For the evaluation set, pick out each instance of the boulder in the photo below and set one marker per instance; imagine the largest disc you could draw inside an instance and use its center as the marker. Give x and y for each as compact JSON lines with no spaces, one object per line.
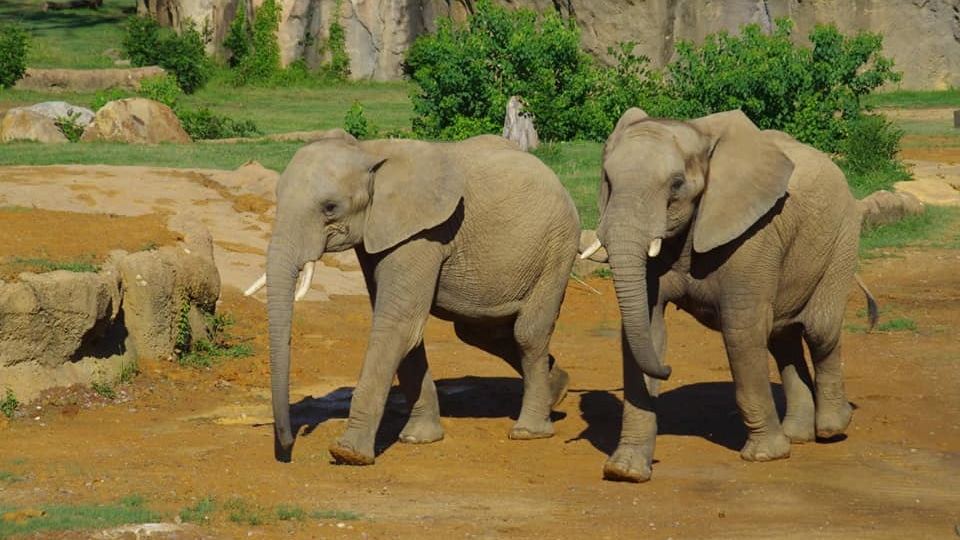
{"x":135,"y":120}
{"x":884,"y":207}
{"x":932,"y":191}
{"x":24,"y":124}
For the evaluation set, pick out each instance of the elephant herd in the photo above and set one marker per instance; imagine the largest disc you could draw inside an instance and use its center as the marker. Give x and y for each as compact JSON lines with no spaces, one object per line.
{"x":752,"y":232}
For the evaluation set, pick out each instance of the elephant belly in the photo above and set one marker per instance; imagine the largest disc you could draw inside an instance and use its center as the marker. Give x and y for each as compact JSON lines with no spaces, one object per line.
{"x":463,"y":310}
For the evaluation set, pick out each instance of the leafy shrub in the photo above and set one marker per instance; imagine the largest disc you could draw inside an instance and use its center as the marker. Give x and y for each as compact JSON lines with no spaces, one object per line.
{"x":356,"y":123}
{"x":203,"y":123}
{"x":71,"y":129}
{"x":238,"y":39}
{"x":465,"y":75}
{"x":162,"y":88}
{"x":811,"y":93}
{"x":870,"y":143}
{"x":9,"y":404}
{"x":261,"y":62}
{"x":337,"y":68}
{"x":13,"y":54}
{"x":145,"y":43}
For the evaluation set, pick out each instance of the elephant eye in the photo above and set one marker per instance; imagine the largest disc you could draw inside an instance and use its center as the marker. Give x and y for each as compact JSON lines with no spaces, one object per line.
{"x":676,"y":184}
{"x":329,"y":208}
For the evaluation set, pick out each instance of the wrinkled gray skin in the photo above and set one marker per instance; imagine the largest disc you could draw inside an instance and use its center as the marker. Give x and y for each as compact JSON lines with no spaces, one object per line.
{"x":475,"y":232}
{"x":759,"y":241}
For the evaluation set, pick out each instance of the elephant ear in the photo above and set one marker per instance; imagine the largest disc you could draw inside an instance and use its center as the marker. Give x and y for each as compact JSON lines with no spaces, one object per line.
{"x":415,"y":187}
{"x":748,"y":174}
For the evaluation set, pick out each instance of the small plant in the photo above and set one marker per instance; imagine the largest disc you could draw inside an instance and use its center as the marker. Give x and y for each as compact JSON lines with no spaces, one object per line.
{"x":205,"y":352}
{"x":240,"y":511}
{"x":105,"y":389}
{"x":290,"y":513}
{"x":9,"y":404}
{"x":356,"y":124}
{"x":71,"y":129}
{"x":603,"y":272}
{"x":199,"y":512}
{"x":14,"y":45}
{"x":335,"y":514}
{"x":899,"y":324}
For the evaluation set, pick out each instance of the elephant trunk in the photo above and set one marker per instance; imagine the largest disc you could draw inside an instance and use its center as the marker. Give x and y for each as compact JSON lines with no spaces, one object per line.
{"x":628,"y":254}
{"x":283,"y":268}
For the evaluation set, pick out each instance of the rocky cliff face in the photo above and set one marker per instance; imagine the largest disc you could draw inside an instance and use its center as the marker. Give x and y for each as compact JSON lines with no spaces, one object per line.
{"x":922,"y":36}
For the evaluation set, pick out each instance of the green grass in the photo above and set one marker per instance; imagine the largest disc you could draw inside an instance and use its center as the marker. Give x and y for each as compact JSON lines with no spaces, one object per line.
{"x":199,"y":512}
{"x":914,"y":99}
{"x":899,"y":324}
{"x":937,"y":226}
{"x":45,"y":265}
{"x":578,"y":166}
{"x":71,"y":38}
{"x":48,"y":518}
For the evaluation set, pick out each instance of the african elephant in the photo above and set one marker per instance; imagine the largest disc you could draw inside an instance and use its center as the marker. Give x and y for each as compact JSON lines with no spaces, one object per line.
{"x":755,"y":235}
{"x":475,"y":232}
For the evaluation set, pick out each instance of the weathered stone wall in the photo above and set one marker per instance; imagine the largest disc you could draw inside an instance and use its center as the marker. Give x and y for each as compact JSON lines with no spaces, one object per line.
{"x":922,"y":36}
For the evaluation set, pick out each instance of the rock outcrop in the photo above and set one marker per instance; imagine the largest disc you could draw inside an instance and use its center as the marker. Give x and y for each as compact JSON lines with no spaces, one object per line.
{"x":61,"y":328}
{"x":923,"y":38}
{"x":86,"y":80}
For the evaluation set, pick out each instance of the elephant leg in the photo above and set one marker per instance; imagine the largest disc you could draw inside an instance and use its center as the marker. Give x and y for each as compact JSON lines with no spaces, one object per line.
{"x":423,"y":426}
{"x":833,"y":410}
{"x":632,"y":461}
{"x":822,"y":327}
{"x":745,"y":335}
{"x":405,"y":280}
{"x":787,"y":349}
{"x":499,"y":340}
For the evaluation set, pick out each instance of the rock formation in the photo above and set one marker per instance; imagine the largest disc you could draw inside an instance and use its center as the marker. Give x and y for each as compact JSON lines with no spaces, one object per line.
{"x":923,"y":37}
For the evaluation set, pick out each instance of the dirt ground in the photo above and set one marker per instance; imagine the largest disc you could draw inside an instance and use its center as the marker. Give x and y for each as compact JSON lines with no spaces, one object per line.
{"x":177,"y":436}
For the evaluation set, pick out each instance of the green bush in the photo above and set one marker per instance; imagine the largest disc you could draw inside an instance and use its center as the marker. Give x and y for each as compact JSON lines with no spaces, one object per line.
{"x":261,"y":63}
{"x":337,"y":68}
{"x":162,"y":88}
{"x":204,"y":124}
{"x":465,"y":75}
{"x":238,"y":39}
{"x":14,"y":45}
{"x":145,"y":43}
{"x":812,"y":93}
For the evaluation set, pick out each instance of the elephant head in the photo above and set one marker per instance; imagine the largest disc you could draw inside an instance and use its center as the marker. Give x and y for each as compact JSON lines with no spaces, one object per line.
{"x":335,"y":194}
{"x":710,"y":179}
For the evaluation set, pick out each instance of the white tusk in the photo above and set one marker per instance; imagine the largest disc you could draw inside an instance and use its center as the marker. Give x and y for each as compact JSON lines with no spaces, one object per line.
{"x":257,"y":285}
{"x":654,"y":248}
{"x":593,"y":248}
{"x":303,"y":282}
{"x":306,"y":276}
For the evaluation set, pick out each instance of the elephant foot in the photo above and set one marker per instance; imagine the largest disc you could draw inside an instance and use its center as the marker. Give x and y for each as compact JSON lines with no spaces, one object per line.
{"x":833,"y":421}
{"x":628,"y":464}
{"x":421,"y":431}
{"x":344,"y":454}
{"x":799,"y":430}
{"x":766,"y":448}
{"x":559,"y":382}
{"x":526,"y":433}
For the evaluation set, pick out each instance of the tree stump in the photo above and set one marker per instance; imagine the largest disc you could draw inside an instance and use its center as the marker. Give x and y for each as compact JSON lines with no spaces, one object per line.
{"x":518,"y":125}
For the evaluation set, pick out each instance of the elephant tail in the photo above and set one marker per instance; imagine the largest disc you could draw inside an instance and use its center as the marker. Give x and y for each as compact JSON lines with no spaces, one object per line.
{"x":873,"y":312}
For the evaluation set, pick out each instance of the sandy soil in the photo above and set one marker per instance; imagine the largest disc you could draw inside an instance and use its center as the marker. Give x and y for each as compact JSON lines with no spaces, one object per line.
{"x":177,"y":436}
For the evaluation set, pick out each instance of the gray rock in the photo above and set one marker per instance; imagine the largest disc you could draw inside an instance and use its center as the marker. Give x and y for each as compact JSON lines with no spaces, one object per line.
{"x":61,"y":109}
